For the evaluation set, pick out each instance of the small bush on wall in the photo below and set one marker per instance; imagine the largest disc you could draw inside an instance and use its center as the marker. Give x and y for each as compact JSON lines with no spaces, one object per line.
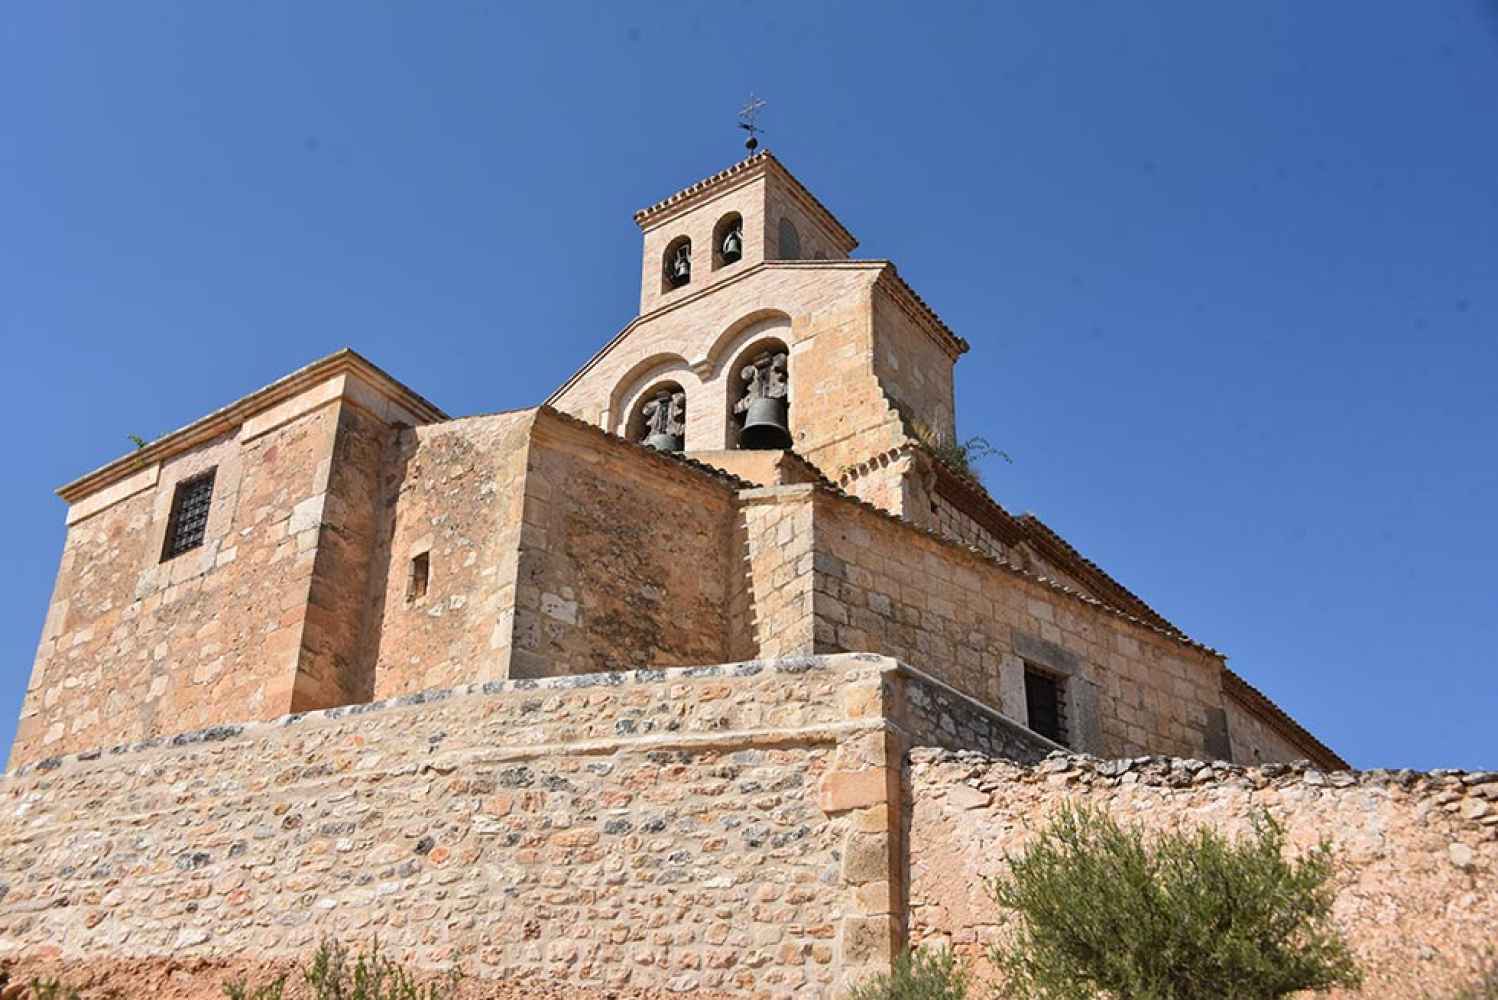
{"x":917,"y":975}
{"x":1099,"y":910}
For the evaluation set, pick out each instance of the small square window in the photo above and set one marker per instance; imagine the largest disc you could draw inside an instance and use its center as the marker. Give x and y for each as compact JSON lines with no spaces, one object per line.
{"x":421,"y":569}
{"x":189,"y":520}
{"x":1045,"y":701}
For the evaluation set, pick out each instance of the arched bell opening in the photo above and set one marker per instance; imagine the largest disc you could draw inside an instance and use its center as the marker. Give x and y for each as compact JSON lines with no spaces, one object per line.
{"x":676,"y":265}
{"x":659,"y":418}
{"x":728,"y":240}
{"x":759,"y":391}
{"x":789,"y":240}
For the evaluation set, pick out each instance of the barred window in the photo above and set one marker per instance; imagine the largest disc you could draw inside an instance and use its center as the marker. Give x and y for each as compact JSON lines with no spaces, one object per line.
{"x":1045,"y":702}
{"x":189,"y":520}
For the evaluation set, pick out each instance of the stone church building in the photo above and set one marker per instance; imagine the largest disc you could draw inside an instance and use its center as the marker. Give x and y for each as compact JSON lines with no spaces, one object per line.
{"x":749,"y":470}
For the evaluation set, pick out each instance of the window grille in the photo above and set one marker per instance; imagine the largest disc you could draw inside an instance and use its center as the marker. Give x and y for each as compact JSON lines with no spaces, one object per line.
{"x":1046,"y":704}
{"x":189,"y":520}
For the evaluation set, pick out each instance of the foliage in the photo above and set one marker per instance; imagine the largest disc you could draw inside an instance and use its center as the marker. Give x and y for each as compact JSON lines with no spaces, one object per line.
{"x":1101,"y":911}
{"x":137,"y":440}
{"x":961,"y":457}
{"x":273,"y":990}
{"x":336,"y":974}
{"x":917,"y":975}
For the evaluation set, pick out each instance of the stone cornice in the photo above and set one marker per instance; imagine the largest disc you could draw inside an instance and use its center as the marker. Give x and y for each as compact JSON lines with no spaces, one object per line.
{"x":222,"y":421}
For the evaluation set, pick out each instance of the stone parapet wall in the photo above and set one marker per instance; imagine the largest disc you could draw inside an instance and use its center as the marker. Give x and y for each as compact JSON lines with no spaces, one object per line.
{"x":1417,"y":853}
{"x":715,"y":827}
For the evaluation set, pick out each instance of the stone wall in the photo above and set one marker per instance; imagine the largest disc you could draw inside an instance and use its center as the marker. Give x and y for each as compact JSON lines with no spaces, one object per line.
{"x":1253,"y":739}
{"x":914,"y":370}
{"x":821,"y":310}
{"x":888,"y":588}
{"x":704,"y":828}
{"x":624,"y":557}
{"x":135,"y":645}
{"x":457,"y":498}
{"x":1417,"y":853}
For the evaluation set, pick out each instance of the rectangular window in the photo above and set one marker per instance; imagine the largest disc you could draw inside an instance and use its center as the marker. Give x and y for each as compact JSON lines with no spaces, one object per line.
{"x":1045,"y":700}
{"x":421,"y":567}
{"x":189,"y":520}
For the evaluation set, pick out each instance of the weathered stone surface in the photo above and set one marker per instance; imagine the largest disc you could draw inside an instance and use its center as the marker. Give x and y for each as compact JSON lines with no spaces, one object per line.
{"x":693,"y":845}
{"x":1418,"y":883}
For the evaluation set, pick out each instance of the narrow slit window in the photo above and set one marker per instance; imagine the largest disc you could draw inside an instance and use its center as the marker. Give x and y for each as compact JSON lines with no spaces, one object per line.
{"x":421,"y":567}
{"x":1045,"y":702}
{"x":189,"y":520}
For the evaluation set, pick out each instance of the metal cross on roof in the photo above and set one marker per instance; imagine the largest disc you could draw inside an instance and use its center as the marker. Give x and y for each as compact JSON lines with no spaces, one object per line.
{"x":749,"y":120}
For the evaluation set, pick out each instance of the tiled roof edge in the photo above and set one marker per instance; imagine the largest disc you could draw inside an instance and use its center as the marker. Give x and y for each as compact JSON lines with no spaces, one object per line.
{"x":1180,"y":637}
{"x":1264,"y":707}
{"x":747,"y":167}
{"x":226,"y":418}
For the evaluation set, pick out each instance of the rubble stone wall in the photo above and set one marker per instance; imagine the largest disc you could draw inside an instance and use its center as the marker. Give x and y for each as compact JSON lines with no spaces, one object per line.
{"x":663,"y":828}
{"x":1417,"y":853}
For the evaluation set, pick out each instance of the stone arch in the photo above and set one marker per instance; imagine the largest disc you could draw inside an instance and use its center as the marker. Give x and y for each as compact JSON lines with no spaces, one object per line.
{"x":759,"y":346}
{"x":759,"y":323}
{"x":671,"y":279}
{"x":730,"y":223}
{"x":641,"y":376}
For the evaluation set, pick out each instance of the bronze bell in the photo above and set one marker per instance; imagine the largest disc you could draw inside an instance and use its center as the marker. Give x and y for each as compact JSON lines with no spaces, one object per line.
{"x":765,"y":427}
{"x":681,"y":268}
{"x":733,"y":246}
{"x":662,"y":441}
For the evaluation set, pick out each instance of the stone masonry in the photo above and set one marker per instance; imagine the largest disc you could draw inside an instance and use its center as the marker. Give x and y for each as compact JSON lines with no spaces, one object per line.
{"x":1417,"y":853}
{"x":521,"y":692}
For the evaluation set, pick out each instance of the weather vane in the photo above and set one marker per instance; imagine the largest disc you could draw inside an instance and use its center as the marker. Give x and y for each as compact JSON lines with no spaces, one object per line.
{"x":749,"y":120}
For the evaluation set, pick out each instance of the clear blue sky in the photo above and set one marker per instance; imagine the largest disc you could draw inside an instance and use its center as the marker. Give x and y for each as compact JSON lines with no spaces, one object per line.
{"x":1229,"y":270}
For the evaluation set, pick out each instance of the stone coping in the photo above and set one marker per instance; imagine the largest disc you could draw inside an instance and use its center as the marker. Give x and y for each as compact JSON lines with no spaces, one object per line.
{"x":1182,"y":772}
{"x":570,"y":682}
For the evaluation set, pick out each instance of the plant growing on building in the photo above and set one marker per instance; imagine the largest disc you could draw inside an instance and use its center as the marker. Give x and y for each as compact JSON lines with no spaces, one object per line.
{"x":961,"y":456}
{"x":917,"y":975}
{"x":1101,"y":910}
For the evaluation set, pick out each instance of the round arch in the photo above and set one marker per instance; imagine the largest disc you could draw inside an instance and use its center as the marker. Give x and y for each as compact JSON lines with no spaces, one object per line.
{"x":633,"y":384}
{"x":760,"y":323}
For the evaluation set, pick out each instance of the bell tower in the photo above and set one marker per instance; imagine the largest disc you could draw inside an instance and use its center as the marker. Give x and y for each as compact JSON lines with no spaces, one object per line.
{"x":722,"y":226}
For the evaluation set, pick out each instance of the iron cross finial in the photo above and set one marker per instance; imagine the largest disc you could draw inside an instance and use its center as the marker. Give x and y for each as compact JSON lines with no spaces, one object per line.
{"x":749,"y":120}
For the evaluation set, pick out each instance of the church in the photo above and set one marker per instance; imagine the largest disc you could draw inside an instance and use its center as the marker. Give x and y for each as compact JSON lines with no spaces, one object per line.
{"x":759,"y":466}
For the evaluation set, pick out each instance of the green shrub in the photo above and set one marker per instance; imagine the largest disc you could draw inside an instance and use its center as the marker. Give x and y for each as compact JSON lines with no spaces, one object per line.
{"x":335,"y":974}
{"x":1101,"y":911}
{"x":917,"y":975}
{"x":273,"y":990}
{"x":51,"y":989}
